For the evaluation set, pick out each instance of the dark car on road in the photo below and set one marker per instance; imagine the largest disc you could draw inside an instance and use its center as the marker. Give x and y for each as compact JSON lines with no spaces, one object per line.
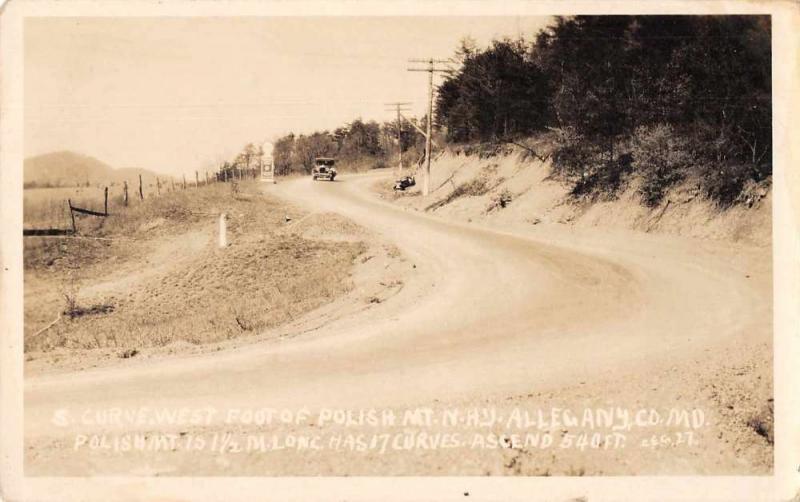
{"x":323,"y":169}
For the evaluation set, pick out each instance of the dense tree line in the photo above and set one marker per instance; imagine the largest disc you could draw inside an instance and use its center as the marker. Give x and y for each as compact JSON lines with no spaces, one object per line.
{"x":666,"y":97}
{"x":357,"y":145}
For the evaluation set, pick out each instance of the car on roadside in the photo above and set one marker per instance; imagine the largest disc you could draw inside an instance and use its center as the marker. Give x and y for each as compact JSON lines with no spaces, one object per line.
{"x":323,"y":169}
{"x":405,"y":182}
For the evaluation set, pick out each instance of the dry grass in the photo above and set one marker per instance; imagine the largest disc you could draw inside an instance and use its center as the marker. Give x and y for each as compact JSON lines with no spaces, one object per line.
{"x":473,"y":188}
{"x":141,"y":219}
{"x":47,"y":207}
{"x":266,"y":276}
{"x":221,"y":295}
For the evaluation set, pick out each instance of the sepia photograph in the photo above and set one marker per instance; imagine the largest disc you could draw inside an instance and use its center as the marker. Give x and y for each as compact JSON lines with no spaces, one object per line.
{"x":396,"y":246}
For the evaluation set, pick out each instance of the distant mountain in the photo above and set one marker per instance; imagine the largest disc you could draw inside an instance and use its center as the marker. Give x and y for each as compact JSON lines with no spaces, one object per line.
{"x":67,"y":168}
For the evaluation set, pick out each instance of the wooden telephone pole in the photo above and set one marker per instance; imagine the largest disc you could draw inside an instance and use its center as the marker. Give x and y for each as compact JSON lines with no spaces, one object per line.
{"x":399,"y":107}
{"x":431,"y":69}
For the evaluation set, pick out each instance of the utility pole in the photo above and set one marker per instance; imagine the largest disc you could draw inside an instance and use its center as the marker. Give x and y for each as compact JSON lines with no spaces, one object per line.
{"x":400,"y":107}
{"x":431,"y":69}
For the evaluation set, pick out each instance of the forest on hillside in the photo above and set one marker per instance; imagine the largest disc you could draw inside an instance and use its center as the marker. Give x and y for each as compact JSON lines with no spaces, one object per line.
{"x":667,"y":97}
{"x":658,"y":98}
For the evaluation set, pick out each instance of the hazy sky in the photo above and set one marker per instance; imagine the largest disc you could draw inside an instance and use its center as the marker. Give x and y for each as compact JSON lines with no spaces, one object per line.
{"x":178,"y":94}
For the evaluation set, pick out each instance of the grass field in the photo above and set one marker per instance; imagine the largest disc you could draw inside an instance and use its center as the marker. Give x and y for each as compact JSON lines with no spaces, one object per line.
{"x":160,"y":278}
{"x":47,"y":207}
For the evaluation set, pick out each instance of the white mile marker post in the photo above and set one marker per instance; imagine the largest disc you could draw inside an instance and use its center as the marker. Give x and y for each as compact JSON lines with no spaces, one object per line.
{"x":223,"y":238}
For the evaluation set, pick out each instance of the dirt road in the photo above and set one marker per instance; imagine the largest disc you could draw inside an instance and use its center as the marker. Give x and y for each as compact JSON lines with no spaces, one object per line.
{"x":482,"y":316}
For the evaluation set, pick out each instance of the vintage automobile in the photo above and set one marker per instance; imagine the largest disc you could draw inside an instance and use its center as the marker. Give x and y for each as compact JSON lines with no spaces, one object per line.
{"x":323,"y":169}
{"x":405,"y":182}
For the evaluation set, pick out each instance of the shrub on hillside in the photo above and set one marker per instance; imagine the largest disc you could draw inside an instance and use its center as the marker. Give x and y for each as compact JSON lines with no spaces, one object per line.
{"x":724,"y":183}
{"x":603,"y":178}
{"x":500,"y":200}
{"x":475,"y":187}
{"x":588,"y":166}
{"x":572,"y":154}
{"x":472,"y":188}
{"x":660,"y":157}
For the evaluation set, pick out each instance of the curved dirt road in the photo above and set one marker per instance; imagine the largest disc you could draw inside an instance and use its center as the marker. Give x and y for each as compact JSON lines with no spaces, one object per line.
{"x":482,"y":316}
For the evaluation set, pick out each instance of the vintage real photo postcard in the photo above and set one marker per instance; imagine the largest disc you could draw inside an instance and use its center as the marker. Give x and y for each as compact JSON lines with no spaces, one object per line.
{"x":377,"y":251}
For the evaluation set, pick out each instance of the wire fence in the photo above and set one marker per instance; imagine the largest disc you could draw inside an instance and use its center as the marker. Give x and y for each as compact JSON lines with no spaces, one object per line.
{"x":57,"y":217}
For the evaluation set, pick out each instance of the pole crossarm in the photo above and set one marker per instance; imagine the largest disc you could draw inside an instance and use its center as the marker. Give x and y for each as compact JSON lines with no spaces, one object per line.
{"x":430,"y":60}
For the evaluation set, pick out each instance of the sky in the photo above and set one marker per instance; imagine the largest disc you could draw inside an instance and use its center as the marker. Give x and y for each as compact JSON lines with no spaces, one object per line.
{"x":179,"y":94}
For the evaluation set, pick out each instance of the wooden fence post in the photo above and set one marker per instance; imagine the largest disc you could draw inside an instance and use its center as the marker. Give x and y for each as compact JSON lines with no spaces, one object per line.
{"x":125,"y":193}
{"x":196,"y":180}
{"x":173,"y":184}
{"x":206,"y":177}
{"x":105,"y":201}
{"x":72,"y":215}
{"x":184,"y":182}
{"x":158,"y":186}
{"x":141,"y":194}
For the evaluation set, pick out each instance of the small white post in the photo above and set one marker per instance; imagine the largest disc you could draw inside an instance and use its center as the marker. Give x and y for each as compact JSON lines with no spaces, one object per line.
{"x":223,"y":238}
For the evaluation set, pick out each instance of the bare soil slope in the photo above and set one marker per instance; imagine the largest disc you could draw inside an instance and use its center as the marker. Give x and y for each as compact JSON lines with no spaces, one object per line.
{"x":468,"y":188}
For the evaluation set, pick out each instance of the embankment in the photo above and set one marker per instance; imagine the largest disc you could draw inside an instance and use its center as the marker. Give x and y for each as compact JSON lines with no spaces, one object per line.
{"x":511,"y":189}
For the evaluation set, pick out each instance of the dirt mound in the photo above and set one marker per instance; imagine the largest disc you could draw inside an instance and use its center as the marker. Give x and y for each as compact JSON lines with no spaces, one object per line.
{"x":326,"y":226}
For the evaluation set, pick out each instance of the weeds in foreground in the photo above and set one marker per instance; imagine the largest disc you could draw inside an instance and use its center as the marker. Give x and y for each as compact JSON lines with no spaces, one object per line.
{"x":762,"y":422}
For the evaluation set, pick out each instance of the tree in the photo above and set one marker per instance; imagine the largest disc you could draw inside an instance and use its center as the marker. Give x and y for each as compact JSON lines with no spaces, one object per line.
{"x":307,"y":148}
{"x":497,"y":93}
{"x":706,"y":77}
{"x":282,"y":152}
{"x":361,"y":139}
